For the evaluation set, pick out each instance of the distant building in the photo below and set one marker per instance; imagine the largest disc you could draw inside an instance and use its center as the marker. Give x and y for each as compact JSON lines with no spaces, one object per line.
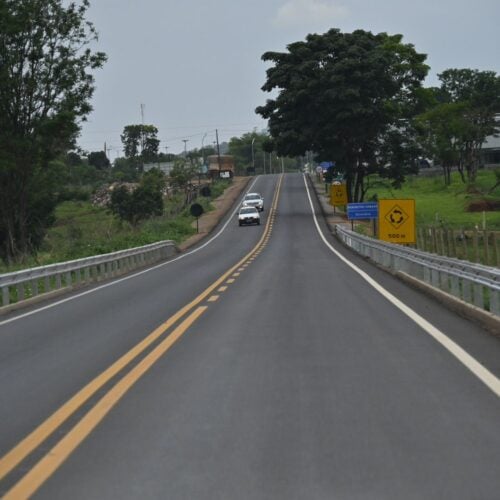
{"x":491,"y":148}
{"x":165,"y":166}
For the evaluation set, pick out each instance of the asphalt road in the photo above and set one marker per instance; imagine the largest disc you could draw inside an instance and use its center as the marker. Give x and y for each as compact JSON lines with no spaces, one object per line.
{"x":257,"y":366}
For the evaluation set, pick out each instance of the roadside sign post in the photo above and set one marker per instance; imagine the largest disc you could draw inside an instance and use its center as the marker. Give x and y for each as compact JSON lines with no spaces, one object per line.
{"x":338,"y":194}
{"x":362,"y":211}
{"x":196,"y":210}
{"x":396,"y":221}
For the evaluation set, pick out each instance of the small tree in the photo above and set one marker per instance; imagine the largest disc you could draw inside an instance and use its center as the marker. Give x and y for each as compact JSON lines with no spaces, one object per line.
{"x":99,"y":160}
{"x":144,"y":202}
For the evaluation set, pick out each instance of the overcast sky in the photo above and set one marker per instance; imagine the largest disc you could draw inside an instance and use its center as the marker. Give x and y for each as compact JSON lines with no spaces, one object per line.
{"x":196,"y":65}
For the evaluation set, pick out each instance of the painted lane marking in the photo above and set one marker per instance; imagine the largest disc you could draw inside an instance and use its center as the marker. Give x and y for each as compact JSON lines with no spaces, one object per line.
{"x":10,"y":460}
{"x":481,"y":372}
{"x":222,"y":289}
{"x":231,"y":280}
{"x":213,"y":298}
{"x":130,"y":276}
{"x":60,"y":452}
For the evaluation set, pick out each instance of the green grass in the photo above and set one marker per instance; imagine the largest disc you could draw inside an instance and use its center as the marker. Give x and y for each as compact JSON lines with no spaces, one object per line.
{"x":82,"y":230}
{"x":437,"y":204}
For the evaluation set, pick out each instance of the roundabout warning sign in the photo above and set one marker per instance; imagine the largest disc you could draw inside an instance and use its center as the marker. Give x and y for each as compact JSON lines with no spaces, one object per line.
{"x":396,"y":217}
{"x":397,"y":221}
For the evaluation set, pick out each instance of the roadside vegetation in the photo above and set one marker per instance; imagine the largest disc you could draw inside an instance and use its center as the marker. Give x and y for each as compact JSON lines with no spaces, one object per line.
{"x":355,"y":100}
{"x":446,"y":205}
{"x":82,"y":229}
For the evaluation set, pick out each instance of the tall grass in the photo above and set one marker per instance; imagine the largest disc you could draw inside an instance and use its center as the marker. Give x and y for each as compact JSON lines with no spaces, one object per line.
{"x":82,"y":230}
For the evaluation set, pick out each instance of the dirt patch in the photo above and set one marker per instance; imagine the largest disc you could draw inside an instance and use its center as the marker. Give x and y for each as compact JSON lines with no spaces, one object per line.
{"x":483,"y":206}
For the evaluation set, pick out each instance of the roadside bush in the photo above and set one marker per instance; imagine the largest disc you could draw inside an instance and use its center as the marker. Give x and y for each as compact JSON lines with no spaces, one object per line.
{"x":141,"y":204}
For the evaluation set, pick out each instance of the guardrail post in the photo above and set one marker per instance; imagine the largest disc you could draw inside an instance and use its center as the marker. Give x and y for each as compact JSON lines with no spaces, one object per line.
{"x":34,"y":288}
{"x":495,"y":302}
{"x":444,"y":285}
{"x":455,"y":286}
{"x":5,"y":296}
{"x":478,"y":296}
{"x":58,"y":281}
{"x":435,"y":278}
{"x":466,"y":291}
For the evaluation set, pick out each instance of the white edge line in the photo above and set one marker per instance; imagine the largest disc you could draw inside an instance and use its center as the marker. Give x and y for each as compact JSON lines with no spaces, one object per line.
{"x":130,"y":276}
{"x":482,"y":373}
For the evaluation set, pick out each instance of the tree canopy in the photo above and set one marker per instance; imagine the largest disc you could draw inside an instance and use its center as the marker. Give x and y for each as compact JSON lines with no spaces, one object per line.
{"x":46,"y":83}
{"x":463,"y":116}
{"x":340,"y":95}
{"x":140,"y":140}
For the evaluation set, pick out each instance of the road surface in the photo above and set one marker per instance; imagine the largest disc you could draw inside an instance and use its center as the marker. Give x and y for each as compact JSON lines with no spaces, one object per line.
{"x":259,"y":365}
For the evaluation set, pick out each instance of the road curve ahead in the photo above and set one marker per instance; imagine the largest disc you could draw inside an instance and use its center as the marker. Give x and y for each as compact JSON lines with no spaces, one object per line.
{"x":270,"y":363}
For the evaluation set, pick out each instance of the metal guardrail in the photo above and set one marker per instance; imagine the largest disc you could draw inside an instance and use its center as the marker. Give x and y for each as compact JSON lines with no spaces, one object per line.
{"x":21,"y":285}
{"x":473,"y":283}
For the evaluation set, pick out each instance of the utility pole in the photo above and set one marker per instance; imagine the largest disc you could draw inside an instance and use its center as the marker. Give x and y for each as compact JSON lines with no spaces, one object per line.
{"x":142,"y":127}
{"x":202,"y":151}
{"x":253,"y":158}
{"x":218,"y":150}
{"x":185,"y":141}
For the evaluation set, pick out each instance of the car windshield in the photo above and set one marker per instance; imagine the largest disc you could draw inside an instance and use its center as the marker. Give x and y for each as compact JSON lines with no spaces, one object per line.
{"x":249,"y":210}
{"x":252,"y":197}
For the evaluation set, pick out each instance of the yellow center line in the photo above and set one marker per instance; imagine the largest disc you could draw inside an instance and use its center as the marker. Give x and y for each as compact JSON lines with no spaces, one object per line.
{"x":11,"y":459}
{"x":60,"y":452}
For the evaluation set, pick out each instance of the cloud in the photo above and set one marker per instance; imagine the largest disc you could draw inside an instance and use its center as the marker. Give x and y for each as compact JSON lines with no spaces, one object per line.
{"x":300,"y":12}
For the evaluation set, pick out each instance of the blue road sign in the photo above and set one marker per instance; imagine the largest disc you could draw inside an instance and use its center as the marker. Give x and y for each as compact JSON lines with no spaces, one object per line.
{"x":368,"y":210}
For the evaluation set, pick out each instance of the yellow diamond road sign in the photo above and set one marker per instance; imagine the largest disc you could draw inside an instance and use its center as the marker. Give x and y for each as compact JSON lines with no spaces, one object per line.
{"x":338,"y":194}
{"x":396,"y":222}
{"x":396,"y":217}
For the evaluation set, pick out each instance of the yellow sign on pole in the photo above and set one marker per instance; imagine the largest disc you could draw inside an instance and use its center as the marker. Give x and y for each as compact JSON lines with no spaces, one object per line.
{"x":396,"y":221}
{"x":338,"y":195}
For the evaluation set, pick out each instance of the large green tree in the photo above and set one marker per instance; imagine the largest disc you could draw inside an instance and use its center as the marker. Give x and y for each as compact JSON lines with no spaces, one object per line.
{"x":46,"y":85}
{"x":476,"y":95}
{"x":341,"y":95}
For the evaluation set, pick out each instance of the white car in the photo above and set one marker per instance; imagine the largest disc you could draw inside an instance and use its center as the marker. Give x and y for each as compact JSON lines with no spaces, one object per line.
{"x":254,"y":200}
{"x":248,"y":215}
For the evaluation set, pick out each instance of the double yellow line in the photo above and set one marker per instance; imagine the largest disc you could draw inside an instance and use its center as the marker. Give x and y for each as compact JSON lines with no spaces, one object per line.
{"x":48,"y":464}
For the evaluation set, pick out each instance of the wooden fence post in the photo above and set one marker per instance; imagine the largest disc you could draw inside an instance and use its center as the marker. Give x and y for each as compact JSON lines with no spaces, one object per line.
{"x":475,"y":244}
{"x":486,"y":242}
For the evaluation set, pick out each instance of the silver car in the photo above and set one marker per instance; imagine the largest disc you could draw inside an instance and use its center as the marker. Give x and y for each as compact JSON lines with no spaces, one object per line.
{"x":248,"y":215}
{"x":254,"y":200}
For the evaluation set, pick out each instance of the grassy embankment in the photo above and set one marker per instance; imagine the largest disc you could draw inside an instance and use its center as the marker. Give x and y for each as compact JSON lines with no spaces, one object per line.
{"x":440,"y":205}
{"x":83,"y":230}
